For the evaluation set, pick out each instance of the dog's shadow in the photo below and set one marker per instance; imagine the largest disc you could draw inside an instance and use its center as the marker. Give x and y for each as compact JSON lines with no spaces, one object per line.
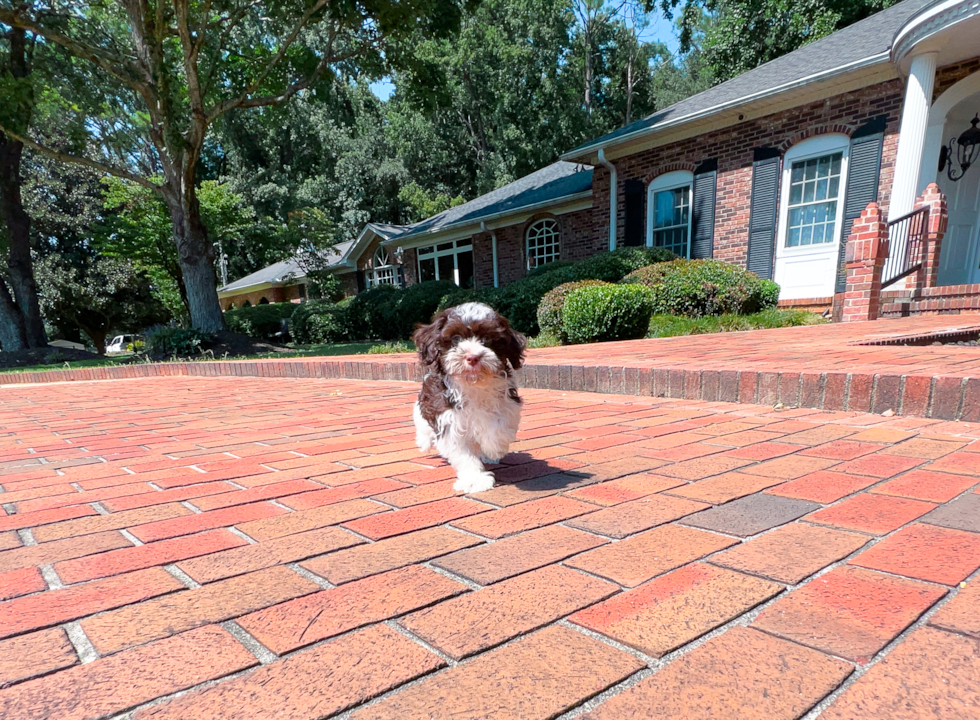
{"x":526,"y":472}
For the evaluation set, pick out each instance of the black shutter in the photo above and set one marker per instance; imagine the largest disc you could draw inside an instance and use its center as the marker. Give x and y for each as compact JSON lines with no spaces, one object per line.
{"x":634,"y":212}
{"x":703,"y":212}
{"x":863,"y":169}
{"x":400,"y":275}
{"x":762,"y":212}
{"x":361,"y":285}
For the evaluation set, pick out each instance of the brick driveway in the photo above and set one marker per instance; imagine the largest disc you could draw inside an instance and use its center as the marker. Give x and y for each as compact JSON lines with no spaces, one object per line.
{"x":275,"y":548}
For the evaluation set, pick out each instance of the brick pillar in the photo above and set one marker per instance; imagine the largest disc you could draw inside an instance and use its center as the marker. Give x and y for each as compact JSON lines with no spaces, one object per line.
{"x":932,"y":197}
{"x":867,"y":248}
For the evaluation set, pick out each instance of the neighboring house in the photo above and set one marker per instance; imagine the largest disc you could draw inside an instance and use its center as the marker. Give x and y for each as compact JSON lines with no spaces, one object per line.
{"x":357,"y":263}
{"x":768,"y":171}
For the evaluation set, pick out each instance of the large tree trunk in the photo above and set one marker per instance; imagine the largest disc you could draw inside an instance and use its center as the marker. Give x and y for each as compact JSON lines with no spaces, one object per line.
{"x":12,"y":336}
{"x":20,"y":265}
{"x":196,"y":255}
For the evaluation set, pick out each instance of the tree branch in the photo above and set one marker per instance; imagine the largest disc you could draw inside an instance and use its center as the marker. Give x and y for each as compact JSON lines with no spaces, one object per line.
{"x":84,"y":162}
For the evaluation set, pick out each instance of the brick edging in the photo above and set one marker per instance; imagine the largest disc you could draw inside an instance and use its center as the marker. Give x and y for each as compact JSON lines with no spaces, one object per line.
{"x":932,"y":396}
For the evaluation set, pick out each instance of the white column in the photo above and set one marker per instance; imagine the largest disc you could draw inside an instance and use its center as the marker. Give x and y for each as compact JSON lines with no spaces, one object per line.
{"x":912,"y":134}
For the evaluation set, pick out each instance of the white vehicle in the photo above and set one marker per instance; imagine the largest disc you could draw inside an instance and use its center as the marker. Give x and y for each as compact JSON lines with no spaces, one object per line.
{"x":119,"y":345}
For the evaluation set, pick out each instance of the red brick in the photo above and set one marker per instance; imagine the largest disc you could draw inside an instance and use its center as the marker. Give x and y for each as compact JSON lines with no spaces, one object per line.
{"x":874,"y":514}
{"x":154,"y":619}
{"x":61,"y":550}
{"x":925,"y":552}
{"x":78,"y":498}
{"x":823,"y":486}
{"x":418,"y":495}
{"x":364,"y":560}
{"x":878,"y":465}
{"x":303,"y":520}
{"x":629,"y":518}
{"x":789,"y":468}
{"x":518,"y":554}
{"x":240,"y":560}
{"x":635,"y":560}
{"x":474,"y":622}
{"x":205,"y":521}
{"x":631,"y":487}
{"x":703,"y":467}
{"x":45,"y":517}
{"x":849,"y":612}
{"x":159,"y":497}
{"x":960,"y":462}
{"x":312,"y":684}
{"x":112,"y":685}
{"x":271,"y":491}
{"x":38,"y":653}
{"x":144,"y":556}
{"x":925,"y":448}
{"x":539,"y":676}
{"x":58,"y":606}
{"x":791,"y":553}
{"x":418,"y":517}
{"x":9,"y":540}
{"x":326,"y":614}
{"x":962,"y":613}
{"x":329,"y":496}
{"x":676,"y":608}
{"x":925,"y":485}
{"x":841,"y":450}
{"x":525,"y":516}
{"x":763,"y":451}
{"x":723,"y":488}
{"x":931,"y":674}
{"x":113,"y":521}
{"x":24,"y":581}
{"x":741,"y":673}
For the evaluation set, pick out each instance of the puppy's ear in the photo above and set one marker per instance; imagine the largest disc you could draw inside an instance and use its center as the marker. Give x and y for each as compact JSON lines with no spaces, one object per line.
{"x":512,"y":347}
{"x":427,"y":339}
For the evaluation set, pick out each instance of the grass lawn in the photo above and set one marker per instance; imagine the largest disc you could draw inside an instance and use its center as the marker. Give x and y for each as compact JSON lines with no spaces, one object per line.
{"x":360,"y":348}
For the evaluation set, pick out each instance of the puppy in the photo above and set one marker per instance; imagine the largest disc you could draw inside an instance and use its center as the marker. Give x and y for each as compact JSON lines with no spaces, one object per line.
{"x":468,"y":407}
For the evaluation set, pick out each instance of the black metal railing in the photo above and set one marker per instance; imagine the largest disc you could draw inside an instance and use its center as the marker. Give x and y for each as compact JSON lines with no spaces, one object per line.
{"x":906,"y":241}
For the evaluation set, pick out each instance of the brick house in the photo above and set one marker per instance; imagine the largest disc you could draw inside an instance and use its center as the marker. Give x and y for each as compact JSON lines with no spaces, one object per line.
{"x":770,"y":171}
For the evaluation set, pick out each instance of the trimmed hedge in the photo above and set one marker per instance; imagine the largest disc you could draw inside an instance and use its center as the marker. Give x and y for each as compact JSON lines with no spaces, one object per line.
{"x":550,"y":317}
{"x":318,"y":322}
{"x":259,"y":321}
{"x":518,"y":301}
{"x":701,"y":288}
{"x":599,"y":313}
{"x":164,"y":342}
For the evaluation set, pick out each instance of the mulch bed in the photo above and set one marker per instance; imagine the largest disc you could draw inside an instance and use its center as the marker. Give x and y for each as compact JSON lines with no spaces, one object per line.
{"x":43,"y":356}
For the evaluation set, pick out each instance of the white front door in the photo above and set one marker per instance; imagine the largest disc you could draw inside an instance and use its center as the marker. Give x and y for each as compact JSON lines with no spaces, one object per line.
{"x":959,"y":258}
{"x":810,"y":216}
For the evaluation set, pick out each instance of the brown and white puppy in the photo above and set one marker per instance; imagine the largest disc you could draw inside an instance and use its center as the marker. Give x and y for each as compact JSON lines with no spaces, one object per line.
{"x":468,"y":407}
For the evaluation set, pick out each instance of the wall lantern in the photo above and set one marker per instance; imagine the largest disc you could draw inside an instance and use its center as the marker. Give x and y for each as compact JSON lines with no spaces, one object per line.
{"x":399,"y":254}
{"x":964,"y":149}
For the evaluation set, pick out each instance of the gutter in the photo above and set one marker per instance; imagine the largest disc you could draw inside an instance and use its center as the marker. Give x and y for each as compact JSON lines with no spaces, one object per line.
{"x":613,"y":196}
{"x":573,"y":155}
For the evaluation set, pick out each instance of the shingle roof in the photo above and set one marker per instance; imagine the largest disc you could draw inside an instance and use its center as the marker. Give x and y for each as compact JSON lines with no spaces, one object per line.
{"x":551,"y":183}
{"x":867,"y":41}
{"x":284,"y":271}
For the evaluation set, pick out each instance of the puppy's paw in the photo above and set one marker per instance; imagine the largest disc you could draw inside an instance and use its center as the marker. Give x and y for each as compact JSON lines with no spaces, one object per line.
{"x":473,"y":482}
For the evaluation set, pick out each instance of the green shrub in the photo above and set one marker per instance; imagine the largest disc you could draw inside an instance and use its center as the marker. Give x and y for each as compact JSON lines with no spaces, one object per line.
{"x":543,"y":340}
{"x":614,"y":266}
{"x":674,"y":325}
{"x":598,"y":313}
{"x":387,"y":312}
{"x":390,"y":347}
{"x":164,"y":341}
{"x":318,"y":322}
{"x":699,"y":288}
{"x":550,"y":308}
{"x":259,"y":321}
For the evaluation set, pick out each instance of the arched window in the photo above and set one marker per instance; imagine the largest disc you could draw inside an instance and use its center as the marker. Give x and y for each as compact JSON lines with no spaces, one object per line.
{"x":383,"y":270}
{"x":669,"y":212}
{"x":264,"y":301}
{"x":543,"y":242}
{"x":247,"y":303}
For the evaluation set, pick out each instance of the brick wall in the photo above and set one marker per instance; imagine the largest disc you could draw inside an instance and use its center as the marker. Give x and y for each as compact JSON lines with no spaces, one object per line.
{"x":949,"y":75}
{"x":733,"y":148}
{"x":272,"y":295}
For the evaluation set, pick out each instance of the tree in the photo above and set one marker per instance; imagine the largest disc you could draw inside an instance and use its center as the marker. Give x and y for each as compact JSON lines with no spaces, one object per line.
{"x":102,"y":295}
{"x":21,"y":325}
{"x":422,"y":203}
{"x":172,"y":69}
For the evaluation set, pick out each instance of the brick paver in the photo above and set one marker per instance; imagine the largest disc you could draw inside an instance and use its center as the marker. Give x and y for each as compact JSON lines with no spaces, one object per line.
{"x":350,"y":568}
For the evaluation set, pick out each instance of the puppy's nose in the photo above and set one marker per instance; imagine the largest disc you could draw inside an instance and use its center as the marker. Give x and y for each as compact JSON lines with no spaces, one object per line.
{"x":473,"y":360}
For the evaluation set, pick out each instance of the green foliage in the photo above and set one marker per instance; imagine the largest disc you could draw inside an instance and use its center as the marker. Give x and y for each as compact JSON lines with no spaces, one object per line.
{"x":698,"y":288}
{"x":600,"y":313}
{"x":550,"y":318}
{"x":165,"y":342}
{"x":318,"y":322}
{"x":543,"y":340}
{"x":259,"y":321}
{"x":422,"y":204}
{"x":390,"y":348}
{"x":674,"y":325}
{"x":390,"y":313}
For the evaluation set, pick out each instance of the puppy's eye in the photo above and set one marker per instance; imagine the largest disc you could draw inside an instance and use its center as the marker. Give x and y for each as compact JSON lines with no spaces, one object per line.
{"x":456,"y":340}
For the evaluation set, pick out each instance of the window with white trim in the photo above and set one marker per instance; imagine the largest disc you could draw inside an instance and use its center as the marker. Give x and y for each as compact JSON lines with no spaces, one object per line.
{"x":669,"y":212}
{"x":543,"y":242}
{"x":452,"y":261}
{"x":814,"y":195}
{"x":383,"y":270}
